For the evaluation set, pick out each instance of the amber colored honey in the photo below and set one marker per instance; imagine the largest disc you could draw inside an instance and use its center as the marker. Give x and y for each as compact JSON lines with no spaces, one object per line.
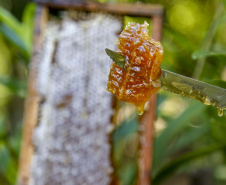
{"x":139,"y":80}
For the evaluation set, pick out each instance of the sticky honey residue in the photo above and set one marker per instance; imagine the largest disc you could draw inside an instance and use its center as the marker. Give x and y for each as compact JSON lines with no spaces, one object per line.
{"x":220,"y":111}
{"x":140,"y":78}
{"x":207,"y":101}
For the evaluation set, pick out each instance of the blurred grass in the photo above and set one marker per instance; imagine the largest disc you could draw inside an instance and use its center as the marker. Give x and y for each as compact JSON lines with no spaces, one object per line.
{"x":15,"y":44}
{"x":18,"y":33}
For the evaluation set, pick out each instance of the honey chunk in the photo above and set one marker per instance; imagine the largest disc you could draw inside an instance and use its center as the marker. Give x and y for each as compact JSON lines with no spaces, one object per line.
{"x":140,"y":79}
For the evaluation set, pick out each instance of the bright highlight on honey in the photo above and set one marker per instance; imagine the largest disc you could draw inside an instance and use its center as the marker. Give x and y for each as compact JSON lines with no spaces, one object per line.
{"x":139,"y":80}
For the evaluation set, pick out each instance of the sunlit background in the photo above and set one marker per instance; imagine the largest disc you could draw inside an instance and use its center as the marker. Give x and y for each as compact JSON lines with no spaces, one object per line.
{"x":190,"y":142}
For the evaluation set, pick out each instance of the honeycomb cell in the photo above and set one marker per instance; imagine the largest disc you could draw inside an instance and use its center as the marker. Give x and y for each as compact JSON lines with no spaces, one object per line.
{"x":140,"y":79}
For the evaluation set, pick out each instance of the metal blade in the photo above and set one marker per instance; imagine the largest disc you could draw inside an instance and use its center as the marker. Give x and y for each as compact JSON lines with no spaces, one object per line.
{"x":206,"y":93}
{"x":189,"y":87}
{"x":117,"y":58}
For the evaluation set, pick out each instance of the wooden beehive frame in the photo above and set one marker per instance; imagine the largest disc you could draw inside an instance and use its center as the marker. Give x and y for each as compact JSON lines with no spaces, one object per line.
{"x":155,"y":12}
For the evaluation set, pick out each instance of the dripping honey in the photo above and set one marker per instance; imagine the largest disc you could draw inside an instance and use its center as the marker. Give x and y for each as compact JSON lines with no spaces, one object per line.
{"x":139,"y":80}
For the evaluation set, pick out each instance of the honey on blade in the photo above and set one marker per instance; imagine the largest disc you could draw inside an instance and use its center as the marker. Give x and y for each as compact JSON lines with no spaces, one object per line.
{"x":140,"y":78}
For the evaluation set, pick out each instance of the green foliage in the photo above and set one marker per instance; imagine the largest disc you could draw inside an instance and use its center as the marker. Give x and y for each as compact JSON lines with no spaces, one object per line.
{"x":13,"y":37}
{"x":19,"y":34}
{"x":202,"y":53}
{"x":175,"y":127}
{"x":15,"y":42}
{"x":15,"y":86}
{"x":9,"y":153}
{"x":169,"y":168}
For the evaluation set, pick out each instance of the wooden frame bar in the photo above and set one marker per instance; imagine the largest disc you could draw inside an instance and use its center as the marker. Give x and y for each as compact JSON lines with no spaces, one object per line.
{"x":145,"y":10}
{"x":32,"y":103}
{"x":147,"y":136}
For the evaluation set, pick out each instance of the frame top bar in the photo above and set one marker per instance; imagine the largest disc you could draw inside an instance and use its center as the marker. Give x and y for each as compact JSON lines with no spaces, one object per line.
{"x":145,"y":10}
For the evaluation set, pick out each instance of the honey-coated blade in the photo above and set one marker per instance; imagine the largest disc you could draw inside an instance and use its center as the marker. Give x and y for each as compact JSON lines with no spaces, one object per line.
{"x":172,"y":82}
{"x":117,"y":58}
{"x":189,"y":87}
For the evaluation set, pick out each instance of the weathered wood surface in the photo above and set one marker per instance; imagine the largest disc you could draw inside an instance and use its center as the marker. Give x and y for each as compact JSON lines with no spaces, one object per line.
{"x":145,"y":10}
{"x":147,"y":134}
{"x":32,"y":101}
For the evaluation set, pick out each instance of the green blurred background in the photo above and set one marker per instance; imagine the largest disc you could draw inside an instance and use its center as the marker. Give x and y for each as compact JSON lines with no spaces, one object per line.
{"x":190,"y":142}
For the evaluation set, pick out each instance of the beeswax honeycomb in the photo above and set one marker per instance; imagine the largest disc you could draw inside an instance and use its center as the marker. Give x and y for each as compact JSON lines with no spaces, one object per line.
{"x":140,"y":78}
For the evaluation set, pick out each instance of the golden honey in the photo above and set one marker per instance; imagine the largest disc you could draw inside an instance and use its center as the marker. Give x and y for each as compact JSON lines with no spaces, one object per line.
{"x":140,"y":79}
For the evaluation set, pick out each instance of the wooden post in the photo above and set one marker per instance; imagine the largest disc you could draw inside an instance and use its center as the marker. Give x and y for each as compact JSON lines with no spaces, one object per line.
{"x":147,"y":132}
{"x":32,"y":101}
